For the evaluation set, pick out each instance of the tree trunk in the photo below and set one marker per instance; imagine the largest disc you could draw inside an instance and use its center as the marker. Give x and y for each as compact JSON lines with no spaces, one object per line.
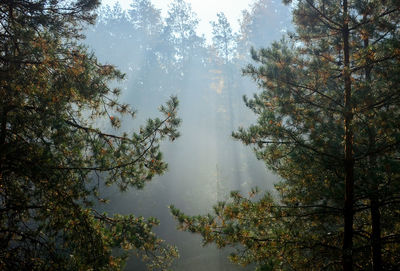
{"x":348,"y":213}
{"x":376,"y":235}
{"x":376,"y":244}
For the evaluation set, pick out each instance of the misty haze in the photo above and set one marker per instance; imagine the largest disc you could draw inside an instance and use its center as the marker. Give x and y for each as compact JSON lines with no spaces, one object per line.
{"x":167,"y":56}
{"x":140,"y":135}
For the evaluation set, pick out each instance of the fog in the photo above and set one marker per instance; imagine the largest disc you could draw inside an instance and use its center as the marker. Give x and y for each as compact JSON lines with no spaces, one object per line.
{"x":164,"y":56}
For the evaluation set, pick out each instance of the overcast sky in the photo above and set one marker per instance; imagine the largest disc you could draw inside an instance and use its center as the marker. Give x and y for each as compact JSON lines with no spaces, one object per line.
{"x":206,"y":10}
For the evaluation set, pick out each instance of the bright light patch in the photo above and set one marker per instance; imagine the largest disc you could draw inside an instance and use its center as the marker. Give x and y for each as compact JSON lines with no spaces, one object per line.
{"x":206,"y":11}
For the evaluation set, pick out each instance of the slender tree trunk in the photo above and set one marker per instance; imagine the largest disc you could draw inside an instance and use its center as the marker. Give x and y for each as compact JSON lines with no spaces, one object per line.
{"x":348,"y":212}
{"x":10,"y":50}
{"x":235,"y":151}
{"x":376,"y":243}
{"x":376,"y":235}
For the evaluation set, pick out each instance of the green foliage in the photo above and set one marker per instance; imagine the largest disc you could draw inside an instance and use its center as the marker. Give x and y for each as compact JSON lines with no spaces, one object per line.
{"x":333,"y":86}
{"x":223,"y":38}
{"x":180,"y":30}
{"x":54,"y":157}
{"x":255,"y":225}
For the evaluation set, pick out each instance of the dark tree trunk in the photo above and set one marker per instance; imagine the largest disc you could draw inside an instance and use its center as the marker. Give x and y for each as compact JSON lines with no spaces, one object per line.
{"x":348,"y":212}
{"x":376,"y":245}
{"x":376,"y":235}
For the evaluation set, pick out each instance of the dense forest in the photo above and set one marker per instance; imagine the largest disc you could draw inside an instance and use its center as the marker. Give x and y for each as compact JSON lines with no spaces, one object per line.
{"x":128,"y":141}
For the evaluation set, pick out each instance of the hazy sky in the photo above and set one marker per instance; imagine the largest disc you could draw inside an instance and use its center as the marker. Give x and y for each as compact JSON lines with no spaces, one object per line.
{"x":206,"y":10}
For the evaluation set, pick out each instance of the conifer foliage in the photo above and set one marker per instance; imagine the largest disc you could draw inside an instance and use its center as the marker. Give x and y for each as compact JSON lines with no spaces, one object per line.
{"x":328,"y":115}
{"x":223,"y":38}
{"x":54,"y":157}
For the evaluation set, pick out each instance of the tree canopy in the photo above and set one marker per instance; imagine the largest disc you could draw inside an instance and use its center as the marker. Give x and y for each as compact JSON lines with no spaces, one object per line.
{"x":327,"y":124}
{"x":56,"y":152}
{"x":223,"y":38}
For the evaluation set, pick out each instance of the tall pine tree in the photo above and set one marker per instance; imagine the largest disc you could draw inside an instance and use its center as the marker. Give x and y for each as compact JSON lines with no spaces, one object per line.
{"x":180,"y":31}
{"x":328,"y":117}
{"x":54,"y":158}
{"x":223,"y":38}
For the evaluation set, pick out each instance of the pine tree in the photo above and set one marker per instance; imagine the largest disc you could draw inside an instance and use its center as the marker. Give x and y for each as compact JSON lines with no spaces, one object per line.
{"x":327,"y":124}
{"x":145,"y":17}
{"x":54,"y":158}
{"x":223,"y":38}
{"x":180,"y":31}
